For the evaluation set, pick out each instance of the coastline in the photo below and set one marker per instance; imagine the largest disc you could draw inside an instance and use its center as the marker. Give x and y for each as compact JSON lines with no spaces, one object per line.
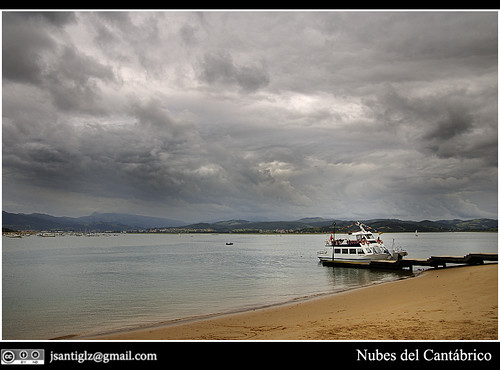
{"x":456,"y":303}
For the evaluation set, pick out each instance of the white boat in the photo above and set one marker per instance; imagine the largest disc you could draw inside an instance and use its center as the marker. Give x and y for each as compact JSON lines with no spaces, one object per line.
{"x":361,"y":248}
{"x":47,"y":235}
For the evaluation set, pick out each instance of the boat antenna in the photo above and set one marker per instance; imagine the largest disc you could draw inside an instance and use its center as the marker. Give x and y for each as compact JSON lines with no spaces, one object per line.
{"x":334,"y":224}
{"x":361,"y":226}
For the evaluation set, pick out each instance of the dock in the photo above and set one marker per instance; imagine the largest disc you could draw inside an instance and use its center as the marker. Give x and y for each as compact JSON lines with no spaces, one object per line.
{"x":433,"y":261}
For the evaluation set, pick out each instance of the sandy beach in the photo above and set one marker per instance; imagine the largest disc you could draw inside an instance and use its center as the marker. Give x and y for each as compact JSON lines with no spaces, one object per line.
{"x":457,"y":303}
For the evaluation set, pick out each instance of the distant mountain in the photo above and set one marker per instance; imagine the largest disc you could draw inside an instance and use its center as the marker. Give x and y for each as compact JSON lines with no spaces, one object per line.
{"x":94,"y":222}
{"x":311,"y":224}
{"x":321,"y":225}
{"x":127,"y":222}
{"x":37,"y":221}
{"x":478,"y":224}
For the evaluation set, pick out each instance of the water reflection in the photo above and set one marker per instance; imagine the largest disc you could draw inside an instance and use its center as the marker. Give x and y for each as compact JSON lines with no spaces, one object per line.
{"x":342,"y":278}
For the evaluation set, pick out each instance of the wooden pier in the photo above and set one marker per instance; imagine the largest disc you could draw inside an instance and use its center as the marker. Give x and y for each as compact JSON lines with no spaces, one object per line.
{"x":433,"y":261}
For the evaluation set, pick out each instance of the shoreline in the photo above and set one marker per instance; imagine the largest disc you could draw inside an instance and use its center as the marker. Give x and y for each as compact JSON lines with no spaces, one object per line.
{"x":462,"y":304}
{"x":216,"y":315}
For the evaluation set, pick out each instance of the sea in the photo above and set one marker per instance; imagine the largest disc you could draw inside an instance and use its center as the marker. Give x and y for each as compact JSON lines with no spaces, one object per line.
{"x":58,"y":287}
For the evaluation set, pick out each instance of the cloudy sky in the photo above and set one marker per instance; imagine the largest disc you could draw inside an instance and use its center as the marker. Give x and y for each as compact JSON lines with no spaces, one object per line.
{"x":270,"y":115}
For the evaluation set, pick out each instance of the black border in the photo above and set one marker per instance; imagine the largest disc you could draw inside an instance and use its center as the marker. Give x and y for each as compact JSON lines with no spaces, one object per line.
{"x":275,"y":354}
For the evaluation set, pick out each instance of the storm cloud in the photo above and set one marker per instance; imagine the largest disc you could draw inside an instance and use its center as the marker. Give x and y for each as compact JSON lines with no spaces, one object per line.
{"x":259,"y":115}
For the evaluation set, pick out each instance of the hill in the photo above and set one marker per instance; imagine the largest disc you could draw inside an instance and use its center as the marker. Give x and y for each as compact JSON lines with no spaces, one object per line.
{"x":127,"y":222}
{"x":95,"y":222}
{"x":321,"y":225}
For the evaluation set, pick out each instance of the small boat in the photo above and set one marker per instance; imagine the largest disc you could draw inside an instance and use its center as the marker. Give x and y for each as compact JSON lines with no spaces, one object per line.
{"x":47,"y":235}
{"x":362,"y":248}
{"x":229,"y":243}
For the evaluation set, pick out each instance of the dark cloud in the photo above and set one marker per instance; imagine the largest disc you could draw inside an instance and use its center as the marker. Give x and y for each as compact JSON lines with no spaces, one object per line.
{"x":33,"y":54}
{"x":216,"y":115}
{"x":23,"y":46}
{"x":74,"y":80}
{"x":188,"y":34}
{"x":447,"y":124}
{"x":220,"y":69}
{"x":55,"y":18}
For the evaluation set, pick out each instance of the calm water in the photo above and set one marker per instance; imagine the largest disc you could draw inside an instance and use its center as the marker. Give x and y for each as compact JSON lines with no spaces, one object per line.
{"x":73,"y":285}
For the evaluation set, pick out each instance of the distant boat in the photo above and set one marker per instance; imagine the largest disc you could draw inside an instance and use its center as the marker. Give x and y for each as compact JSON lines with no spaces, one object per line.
{"x":416,"y":233}
{"x":229,"y":243}
{"x":13,"y":236}
{"x":363,"y":249}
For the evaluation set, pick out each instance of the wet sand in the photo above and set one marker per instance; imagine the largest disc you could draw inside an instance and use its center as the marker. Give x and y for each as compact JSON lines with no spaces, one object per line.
{"x":456,"y":303}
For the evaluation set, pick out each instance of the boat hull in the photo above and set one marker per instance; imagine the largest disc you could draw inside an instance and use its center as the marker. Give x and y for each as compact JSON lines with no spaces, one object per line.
{"x":359,"y":259}
{"x":356,"y":260}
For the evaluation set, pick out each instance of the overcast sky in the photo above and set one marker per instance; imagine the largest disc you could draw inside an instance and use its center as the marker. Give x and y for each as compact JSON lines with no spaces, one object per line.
{"x":259,"y":115}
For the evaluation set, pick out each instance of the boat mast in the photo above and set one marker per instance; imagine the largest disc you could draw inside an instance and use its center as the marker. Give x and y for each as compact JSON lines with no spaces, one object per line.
{"x":333,"y":242}
{"x":361,"y":226}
